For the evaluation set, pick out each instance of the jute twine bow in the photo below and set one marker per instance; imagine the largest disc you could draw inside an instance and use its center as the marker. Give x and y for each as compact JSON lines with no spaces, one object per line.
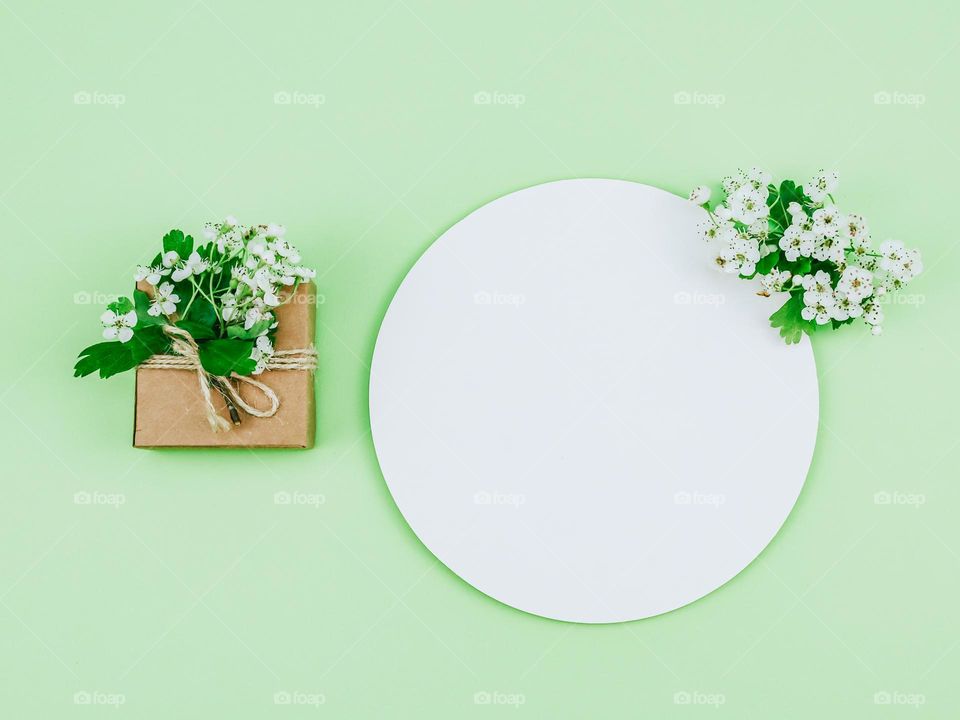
{"x":187,"y":357}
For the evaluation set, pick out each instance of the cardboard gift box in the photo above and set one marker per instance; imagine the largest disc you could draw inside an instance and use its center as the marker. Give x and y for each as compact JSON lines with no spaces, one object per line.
{"x":170,"y":409}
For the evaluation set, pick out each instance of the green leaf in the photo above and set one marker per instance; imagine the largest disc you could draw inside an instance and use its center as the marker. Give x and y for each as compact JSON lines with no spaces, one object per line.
{"x":110,"y":358}
{"x":202,"y":312}
{"x":768,"y":262}
{"x":222,"y":357}
{"x":179,"y":243}
{"x":121,"y":306}
{"x":144,"y":318}
{"x":790,"y":321}
{"x":147,"y":341}
{"x":172,"y":241}
{"x":787,"y":194}
{"x":255,"y":331}
{"x":96,"y":356}
{"x":199,"y":331}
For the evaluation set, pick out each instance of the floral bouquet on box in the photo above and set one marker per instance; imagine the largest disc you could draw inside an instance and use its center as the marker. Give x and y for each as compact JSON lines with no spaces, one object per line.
{"x":795,"y":240}
{"x":208,"y":308}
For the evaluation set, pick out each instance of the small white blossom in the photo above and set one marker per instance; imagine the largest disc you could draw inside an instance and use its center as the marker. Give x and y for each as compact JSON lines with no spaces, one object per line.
{"x":821,"y":185}
{"x":262,"y":352}
{"x":194,"y":265}
{"x":817,"y":287}
{"x":856,"y":283}
{"x":830,"y":247}
{"x":827,"y":221}
{"x":118,"y":327}
{"x":228,"y":306}
{"x":740,"y":256}
{"x":164,"y":301}
{"x":152,"y":275}
{"x":796,"y":243}
{"x":774,"y":281}
{"x":820,"y":309}
{"x":872,"y":313}
{"x":845,"y":306}
{"x":748,"y":204}
{"x":700,"y":195}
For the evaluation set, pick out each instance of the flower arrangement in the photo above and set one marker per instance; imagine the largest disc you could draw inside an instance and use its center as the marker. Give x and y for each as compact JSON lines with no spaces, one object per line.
{"x":214,"y":303}
{"x":795,"y":239}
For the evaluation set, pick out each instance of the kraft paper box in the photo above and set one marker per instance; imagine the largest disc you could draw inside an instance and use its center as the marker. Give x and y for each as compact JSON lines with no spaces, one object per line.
{"x":169,"y":408}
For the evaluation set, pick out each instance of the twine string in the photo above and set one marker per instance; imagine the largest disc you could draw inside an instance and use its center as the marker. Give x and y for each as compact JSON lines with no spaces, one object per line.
{"x":187,"y":357}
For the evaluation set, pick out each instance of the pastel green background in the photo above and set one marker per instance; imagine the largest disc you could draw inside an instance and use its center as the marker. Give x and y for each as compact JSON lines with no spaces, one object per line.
{"x":201,"y":597}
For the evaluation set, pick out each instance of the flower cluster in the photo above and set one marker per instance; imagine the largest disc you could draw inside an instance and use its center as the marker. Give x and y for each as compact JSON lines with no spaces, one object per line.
{"x":796,"y":240}
{"x":224,"y":293}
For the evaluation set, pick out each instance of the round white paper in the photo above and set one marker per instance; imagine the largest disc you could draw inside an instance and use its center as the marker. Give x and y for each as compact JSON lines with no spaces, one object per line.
{"x":578,"y":415}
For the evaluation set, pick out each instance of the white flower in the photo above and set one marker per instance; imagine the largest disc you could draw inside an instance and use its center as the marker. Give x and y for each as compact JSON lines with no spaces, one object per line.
{"x":723,"y":212}
{"x":820,"y":309}
{"x":759,"y":229}
{"x":796,"y":211}
{"x":796,"y":243}
{"x":700,"y":195}
{"x":845,"y":306}
{"x":856,"y":283}
{"x":228,"y":306}
{"x":230,"y":221}
{"x":827,"y":221}
{"x":774,"y":281}
{"x":901,"y":263}
{"x":152,"y":275}
{"x":758,"y":178}
{"x":164,"y":301}
{"x":118,"y":327}
{"x":276,"y":231}
{"x":821,"y":185}
{"x":193,"y":266}
{"x":748,"y":204}
{"x":171,"y":258}
{"x":722,"y":231}
{"x":740,"y":256}
{"x":856,"y":229}
{"x":817,"y":287}
{"x":262,"y":352}
{"x":873,"y":314}
{"x":829,"y":247}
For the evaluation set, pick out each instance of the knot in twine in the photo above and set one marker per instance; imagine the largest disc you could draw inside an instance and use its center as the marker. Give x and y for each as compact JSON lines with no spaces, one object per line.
{"x":187,"y":357}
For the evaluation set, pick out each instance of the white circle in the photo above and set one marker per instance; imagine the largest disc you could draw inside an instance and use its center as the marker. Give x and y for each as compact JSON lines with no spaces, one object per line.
{"x":578,"y":415}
